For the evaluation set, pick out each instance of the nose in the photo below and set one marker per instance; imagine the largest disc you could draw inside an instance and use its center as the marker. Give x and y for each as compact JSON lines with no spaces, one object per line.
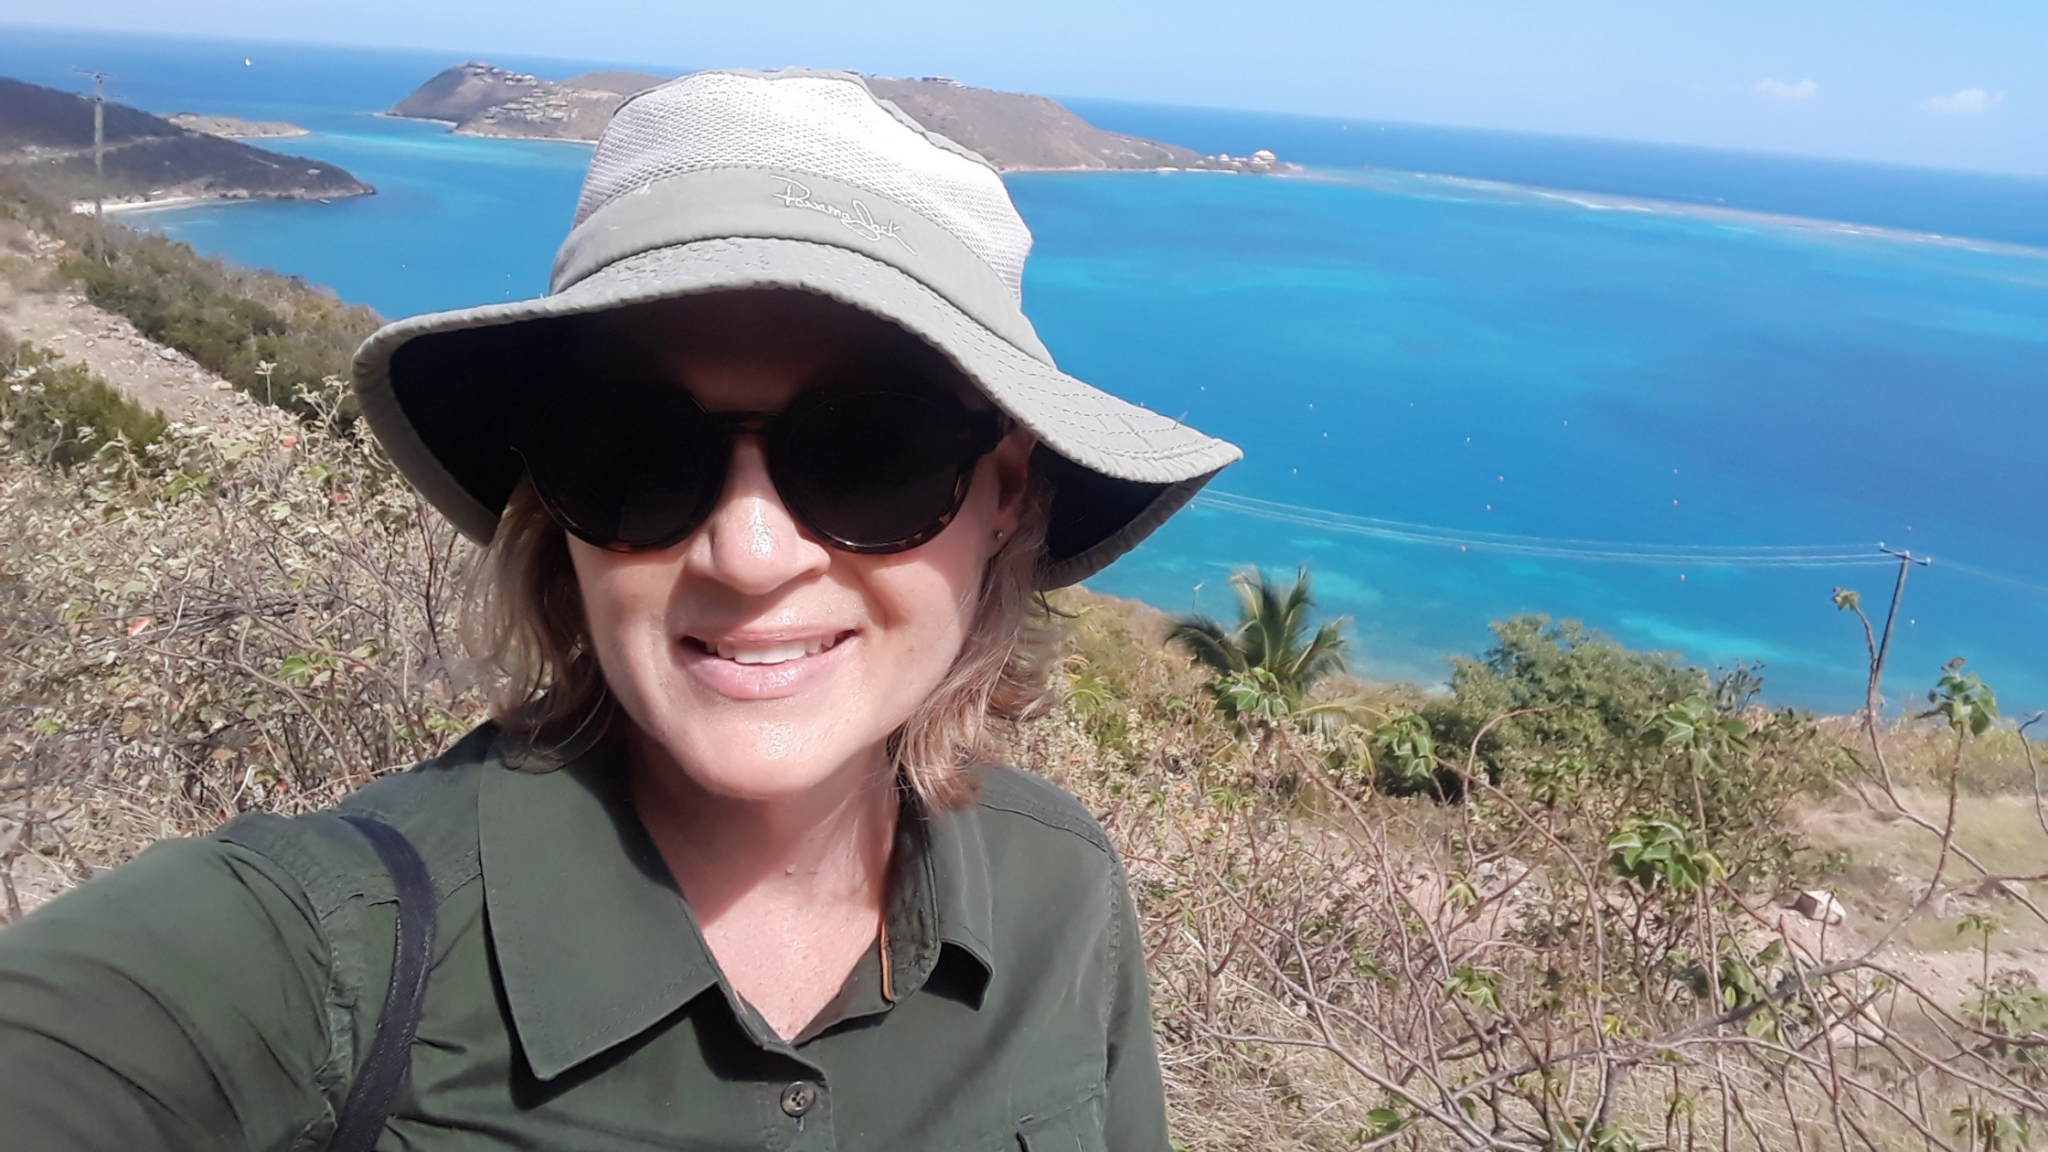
{"x":751,"y":543}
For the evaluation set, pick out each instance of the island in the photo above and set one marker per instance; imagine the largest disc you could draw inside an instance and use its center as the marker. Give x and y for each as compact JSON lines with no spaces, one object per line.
{"x":480,"y":100}
{"x":233,"y":127}
{"x":1014,"y":131}
{"x":46,"y":141}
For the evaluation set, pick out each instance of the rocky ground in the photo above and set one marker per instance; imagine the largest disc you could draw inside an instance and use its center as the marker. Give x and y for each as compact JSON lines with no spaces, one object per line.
{"x":36,"y":310}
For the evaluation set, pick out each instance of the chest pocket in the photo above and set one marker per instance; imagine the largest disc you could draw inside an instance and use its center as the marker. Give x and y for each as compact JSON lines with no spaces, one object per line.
{"x":1078,"y":1129}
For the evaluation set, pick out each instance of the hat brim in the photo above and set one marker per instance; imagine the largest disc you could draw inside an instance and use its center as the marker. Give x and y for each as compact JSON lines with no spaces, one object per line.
{"x":437,"y":390}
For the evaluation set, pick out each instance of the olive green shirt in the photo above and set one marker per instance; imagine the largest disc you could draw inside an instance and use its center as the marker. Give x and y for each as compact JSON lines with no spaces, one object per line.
{"x":220,"y":993}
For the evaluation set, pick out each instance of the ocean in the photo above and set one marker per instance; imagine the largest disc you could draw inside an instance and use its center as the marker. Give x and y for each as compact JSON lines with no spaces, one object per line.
{"x":1677,"y":394}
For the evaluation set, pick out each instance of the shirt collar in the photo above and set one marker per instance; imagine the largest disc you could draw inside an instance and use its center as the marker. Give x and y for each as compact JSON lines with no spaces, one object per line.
{"x":595,"y":943}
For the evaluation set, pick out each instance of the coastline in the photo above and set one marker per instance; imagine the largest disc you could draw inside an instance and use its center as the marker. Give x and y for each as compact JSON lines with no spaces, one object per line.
{"x":127,"y":207}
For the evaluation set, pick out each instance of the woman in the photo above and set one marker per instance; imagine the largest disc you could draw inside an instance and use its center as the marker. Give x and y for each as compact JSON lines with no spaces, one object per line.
{"x":766,"y":481}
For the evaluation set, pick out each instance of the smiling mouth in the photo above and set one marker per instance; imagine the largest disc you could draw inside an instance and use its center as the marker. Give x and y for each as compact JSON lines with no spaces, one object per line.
{"x":767,"y":653}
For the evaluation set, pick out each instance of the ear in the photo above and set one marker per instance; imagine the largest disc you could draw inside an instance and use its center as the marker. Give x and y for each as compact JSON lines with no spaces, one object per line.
{"x":1011,"y":465}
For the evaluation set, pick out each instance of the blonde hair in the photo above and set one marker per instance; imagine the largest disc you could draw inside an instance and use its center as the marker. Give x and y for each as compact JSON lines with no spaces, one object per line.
{"x":525,"y":617}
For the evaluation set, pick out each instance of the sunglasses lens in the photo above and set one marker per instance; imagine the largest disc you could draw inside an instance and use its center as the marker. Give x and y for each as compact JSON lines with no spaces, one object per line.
{"x":874,"y":471}
{"x":625,"y":466}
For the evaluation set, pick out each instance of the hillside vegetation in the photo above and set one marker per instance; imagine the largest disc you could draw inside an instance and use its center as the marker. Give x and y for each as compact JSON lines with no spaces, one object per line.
{"x":1543,"y":908}
{"x":274,"y":337}
{"x":46,"y":137}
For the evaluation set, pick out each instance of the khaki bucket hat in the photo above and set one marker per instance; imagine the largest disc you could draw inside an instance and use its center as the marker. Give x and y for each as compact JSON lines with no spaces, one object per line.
{"x":723,"y":181}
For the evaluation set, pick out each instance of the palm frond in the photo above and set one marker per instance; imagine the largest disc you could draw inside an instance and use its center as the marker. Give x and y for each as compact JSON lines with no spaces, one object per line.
{"x":1206,"y":641}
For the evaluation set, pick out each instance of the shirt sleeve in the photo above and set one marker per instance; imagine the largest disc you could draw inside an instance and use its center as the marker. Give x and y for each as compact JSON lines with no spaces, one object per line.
{"x":1134,"y":1099}
{"x":177,"y":1003}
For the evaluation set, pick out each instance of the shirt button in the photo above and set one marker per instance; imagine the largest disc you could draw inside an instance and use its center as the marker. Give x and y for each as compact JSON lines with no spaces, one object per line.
{"x":799,"y":1098}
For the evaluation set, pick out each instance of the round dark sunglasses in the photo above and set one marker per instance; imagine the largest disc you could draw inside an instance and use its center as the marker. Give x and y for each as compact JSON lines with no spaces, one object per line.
{"x":638,"y":466}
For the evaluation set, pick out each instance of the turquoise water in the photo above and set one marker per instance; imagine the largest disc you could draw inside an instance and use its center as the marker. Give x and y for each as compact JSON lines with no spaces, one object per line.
{"x":1453,"y":396}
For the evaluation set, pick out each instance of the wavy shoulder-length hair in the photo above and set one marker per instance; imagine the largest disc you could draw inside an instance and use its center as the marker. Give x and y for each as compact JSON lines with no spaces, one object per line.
{"x":525,"y":617}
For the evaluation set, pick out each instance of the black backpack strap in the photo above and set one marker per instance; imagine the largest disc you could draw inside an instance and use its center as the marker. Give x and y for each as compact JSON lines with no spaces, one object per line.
{"x":373,"y":1097}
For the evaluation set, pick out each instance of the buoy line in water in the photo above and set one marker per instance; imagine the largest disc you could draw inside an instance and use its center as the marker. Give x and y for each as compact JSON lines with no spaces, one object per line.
{"x":1563,"y":548}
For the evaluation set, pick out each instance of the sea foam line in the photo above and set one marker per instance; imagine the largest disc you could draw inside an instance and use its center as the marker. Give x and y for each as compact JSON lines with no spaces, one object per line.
{"x":1560,"y":548}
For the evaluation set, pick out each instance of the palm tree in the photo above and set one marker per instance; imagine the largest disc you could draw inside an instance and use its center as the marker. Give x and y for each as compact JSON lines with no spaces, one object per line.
{"x":1263,"y":667}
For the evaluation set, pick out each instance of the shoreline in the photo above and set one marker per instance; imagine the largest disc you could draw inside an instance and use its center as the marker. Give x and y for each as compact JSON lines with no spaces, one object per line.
{"x":114,"y":207}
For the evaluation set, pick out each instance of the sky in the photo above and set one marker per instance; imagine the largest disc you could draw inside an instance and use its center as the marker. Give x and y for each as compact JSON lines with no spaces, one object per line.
{"x":1961,"y":83}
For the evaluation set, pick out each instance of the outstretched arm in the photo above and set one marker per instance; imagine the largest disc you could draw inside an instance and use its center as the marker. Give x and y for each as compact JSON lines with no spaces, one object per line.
{"x":178,"y":1003}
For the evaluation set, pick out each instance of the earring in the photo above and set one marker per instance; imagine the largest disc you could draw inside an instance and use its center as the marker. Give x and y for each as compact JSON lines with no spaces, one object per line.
{"x":999,"y":535}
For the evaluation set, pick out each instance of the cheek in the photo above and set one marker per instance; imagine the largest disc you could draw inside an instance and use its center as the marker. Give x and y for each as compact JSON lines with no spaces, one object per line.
{"x":926,"y":599}
{"x":625,"y":599}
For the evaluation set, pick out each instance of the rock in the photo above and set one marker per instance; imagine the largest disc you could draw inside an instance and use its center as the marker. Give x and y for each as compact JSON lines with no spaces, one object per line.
{"x":1493,"y":876}
{"x":1821,"y":907}
{"x":2009,"y":889}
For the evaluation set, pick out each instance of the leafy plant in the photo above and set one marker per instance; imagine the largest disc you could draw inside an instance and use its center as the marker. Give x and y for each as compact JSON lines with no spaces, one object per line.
{"x":1574,"y":690}
{"x":1964,"y":702}
{"x":63,"y":414}
{"x":1659,"y":854}
{"x":1992,"y":1131}
{"x":1404,"y":757}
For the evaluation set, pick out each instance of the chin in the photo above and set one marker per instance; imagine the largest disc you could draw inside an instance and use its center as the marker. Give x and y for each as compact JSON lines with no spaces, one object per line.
{"x":768,"y":759}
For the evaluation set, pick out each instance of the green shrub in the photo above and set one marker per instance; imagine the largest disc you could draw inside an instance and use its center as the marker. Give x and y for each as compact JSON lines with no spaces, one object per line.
{"x":1579,"y":690}
{"x":63,"y":414}
{"x":270,"y":338}
{"x":274,"y":337}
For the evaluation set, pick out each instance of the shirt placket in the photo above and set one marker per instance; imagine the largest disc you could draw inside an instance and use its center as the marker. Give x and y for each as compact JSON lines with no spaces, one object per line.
{"x":799,"y":1109}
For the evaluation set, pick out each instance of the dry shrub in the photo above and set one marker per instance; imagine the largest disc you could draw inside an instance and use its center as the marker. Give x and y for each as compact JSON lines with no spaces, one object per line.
{"x":1526,"y":969}
{"x":216,"y":622}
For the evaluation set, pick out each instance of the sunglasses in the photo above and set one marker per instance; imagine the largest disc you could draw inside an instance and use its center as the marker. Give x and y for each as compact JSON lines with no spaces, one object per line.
{"x":637,"y":466}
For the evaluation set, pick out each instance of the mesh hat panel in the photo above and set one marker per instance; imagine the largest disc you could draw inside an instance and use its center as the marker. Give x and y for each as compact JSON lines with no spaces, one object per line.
{"x":818,"y":125}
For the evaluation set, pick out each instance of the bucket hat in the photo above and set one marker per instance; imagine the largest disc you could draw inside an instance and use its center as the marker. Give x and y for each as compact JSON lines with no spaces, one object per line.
{"x":804,"y":180}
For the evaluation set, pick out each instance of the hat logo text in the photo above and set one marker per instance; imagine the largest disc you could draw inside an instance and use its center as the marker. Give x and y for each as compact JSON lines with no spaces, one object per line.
{"x":858,"y":218}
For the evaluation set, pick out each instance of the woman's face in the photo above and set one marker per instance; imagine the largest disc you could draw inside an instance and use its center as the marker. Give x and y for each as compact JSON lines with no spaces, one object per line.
{"x":752,"y":657}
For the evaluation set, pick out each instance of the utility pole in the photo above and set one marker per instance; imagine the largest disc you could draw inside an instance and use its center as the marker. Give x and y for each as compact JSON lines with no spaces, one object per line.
{"x":99,"y":163}
{"x":1906,"y":561}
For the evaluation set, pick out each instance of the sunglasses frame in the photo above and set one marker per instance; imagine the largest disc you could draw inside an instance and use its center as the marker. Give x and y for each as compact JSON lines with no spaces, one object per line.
{"x":976,"y":433}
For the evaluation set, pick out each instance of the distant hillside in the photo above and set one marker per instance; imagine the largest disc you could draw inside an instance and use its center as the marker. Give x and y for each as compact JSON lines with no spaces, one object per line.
{"x":46,"y":139}
{"x":1014,"y":131}
{"x":1019,"y":132}
{"x":480,"y":100}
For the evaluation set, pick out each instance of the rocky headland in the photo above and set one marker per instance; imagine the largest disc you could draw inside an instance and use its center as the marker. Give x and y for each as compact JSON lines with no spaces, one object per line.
{"x":46,"y":140}
{"x":1019,"y":132}
{"x":1016,"y":132}
{"x":480,"y":100}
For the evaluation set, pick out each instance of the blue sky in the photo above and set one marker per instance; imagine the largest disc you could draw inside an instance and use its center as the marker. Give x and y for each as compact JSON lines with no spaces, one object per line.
{"x":1956,"y":84}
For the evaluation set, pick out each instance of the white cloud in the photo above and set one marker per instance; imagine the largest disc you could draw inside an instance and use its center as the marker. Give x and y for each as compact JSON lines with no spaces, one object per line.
{"x":1788,"y":89}
{"x":1968,"y":100}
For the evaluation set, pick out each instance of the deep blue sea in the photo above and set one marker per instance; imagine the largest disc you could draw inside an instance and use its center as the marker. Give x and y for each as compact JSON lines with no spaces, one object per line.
{"x":1475,"y":374}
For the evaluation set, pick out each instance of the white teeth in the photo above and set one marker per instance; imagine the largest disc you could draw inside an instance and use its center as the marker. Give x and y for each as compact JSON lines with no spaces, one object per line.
{"x":774,"y":653}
